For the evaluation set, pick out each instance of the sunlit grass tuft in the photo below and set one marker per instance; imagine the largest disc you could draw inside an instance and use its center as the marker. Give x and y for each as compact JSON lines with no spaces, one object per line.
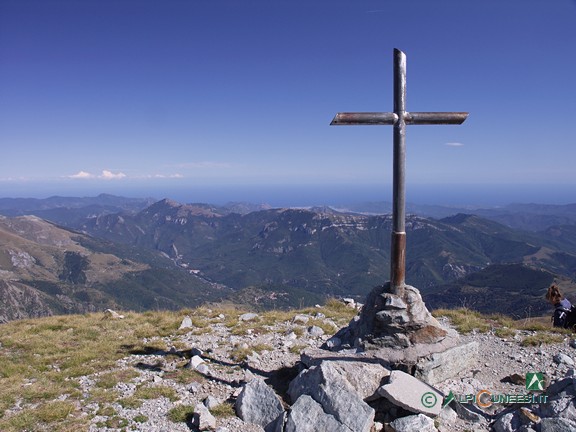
{"x":181,"y":413}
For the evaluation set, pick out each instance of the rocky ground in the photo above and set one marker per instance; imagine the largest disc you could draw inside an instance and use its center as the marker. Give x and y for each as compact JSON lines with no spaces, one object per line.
{"x":220,"y":362}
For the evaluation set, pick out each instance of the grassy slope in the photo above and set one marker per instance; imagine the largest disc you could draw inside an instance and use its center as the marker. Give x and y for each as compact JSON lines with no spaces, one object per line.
{"x":41,"y":360}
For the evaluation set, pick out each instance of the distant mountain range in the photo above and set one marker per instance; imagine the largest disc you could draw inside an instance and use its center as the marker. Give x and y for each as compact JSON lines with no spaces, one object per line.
{"x":177,"y":255}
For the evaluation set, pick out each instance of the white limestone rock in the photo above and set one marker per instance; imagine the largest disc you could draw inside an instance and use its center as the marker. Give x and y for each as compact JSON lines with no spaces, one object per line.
{"x":412,"y":394}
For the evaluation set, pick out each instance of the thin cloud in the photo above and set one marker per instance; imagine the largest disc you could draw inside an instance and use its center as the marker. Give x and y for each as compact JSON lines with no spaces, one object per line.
{"x":106,"y":175}
{"x":109,"y":175}
{"x":81,"y":175}
{"x":165,"y":176}
{"x":454,"y":144}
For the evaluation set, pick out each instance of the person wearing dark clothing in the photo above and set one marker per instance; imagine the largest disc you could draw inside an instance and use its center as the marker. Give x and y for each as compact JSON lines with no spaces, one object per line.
{"x":564,"y":314}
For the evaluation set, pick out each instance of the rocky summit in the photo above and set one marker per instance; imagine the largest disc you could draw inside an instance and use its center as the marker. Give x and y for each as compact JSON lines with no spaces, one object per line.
{"x":226,"y":370}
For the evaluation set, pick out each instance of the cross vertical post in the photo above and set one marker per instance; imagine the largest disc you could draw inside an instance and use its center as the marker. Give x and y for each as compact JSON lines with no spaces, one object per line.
{"x":399,"y":119}
{"x":398,"y":246}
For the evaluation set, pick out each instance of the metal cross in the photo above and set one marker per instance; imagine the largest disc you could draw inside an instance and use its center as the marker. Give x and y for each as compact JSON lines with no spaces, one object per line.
{"x":399,"y":118}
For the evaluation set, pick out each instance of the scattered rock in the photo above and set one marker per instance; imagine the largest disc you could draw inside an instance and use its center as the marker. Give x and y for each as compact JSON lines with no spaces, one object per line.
{"x":211,"y":402}
{"x":300,"y":319}
{"x":109,"y":313}
{"x":186,"y":323}
{"x":345,"y":386}
{"x":561,"y":358}
{"x":333,"y":343}
{"x":196,"y":361}
{"x":315,"y":331}
{"x":203,"y":420}
{"x":412,"y":394}
{"x":257,"y":403}
{"x":420,"y":423}
{"x":248,"y":316}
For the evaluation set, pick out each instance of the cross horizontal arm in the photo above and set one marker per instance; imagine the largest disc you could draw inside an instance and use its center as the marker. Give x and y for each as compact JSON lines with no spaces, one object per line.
{"x":432,"y":118}
{"x":365,"y":118}
{"x":390,"y":118}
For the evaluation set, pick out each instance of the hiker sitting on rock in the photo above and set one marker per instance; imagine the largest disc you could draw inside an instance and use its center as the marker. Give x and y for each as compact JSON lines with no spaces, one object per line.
{"x":564,"y":313}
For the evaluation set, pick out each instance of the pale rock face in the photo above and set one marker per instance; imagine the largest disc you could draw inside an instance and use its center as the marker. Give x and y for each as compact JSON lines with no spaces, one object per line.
{"x":203,"y":419}
{"x":307,"y":415}
{"x":327,"y":386}
{"x":412,"y":394}
{"x":257,"y":403}
{"x":420,"y":423}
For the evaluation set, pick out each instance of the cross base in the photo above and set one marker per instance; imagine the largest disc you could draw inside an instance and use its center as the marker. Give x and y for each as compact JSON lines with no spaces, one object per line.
{"x":393,"y":320}
{"x":399,"y":333}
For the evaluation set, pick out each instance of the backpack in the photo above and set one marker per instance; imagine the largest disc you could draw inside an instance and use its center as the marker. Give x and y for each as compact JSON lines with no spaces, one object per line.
{"x":565,"y":318}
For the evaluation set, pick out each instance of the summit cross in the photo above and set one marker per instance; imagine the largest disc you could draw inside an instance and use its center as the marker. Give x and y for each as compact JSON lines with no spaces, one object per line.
{"x":400,"y":118}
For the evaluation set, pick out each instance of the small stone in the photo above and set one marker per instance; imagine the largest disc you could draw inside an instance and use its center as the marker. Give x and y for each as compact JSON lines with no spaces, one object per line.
{"x":418,"y":422}
{"x":203,"y":419}
{"x":211,"y":402}
{"x":315,"y":331}
{"x":194,"y":387}
{"x":300,"y":319}
{"x":248,"y":316}
{"x":109,"y":313}
{"x":392,"y":301}
{"x":333,"y":343}
{"x":563,"y":359}
{"x":203,"y":369}
{"x":248,"y":375}
{"x":186,"y":323}
{"x":349,"y":302}
{"x":196,"y":361}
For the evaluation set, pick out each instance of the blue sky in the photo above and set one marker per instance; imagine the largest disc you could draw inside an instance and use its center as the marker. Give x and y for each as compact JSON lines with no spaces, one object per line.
{"x":141,"y":97}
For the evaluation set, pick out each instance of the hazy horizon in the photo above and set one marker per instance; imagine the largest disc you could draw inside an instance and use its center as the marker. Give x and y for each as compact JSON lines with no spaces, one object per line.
{"x":451,"y":195}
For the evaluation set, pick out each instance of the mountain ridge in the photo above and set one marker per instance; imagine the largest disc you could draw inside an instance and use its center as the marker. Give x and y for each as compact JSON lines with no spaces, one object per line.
{"x":291,"y":257}
{"x":46,"y":269}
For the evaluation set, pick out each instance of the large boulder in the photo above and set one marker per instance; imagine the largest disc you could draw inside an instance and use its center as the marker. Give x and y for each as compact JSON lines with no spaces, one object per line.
{"x":328,"y":387}
{"x":307,"y":415}
{"x":257,"y":403}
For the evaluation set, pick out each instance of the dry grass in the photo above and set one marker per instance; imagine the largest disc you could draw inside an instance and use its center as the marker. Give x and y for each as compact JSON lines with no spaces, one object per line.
{"x":181,"y":413}
{"x":240,"y":354}
{"x":40,"y":358}
{"x":542,"y":338}
{"x":466,"y":320}
{"x":225,"y":409}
